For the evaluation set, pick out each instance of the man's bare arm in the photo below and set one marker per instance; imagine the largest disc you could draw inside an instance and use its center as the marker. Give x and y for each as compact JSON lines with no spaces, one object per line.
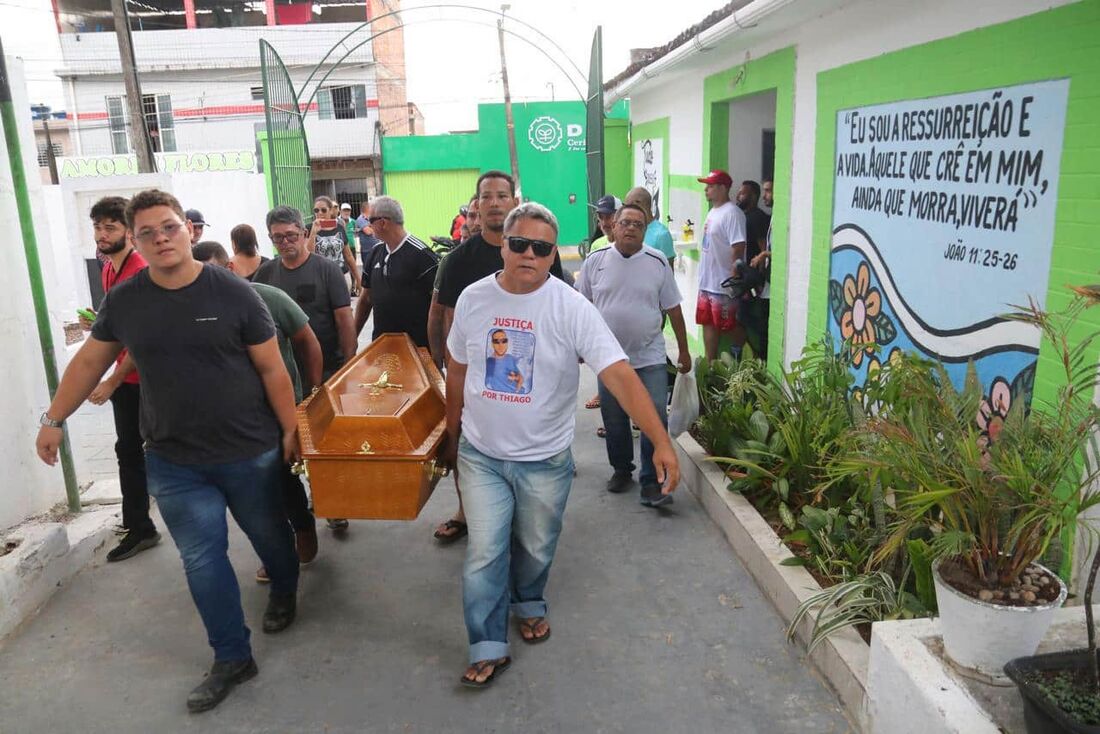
{"x":80,"y":378}
{"x":280,"y":392}
{"x":362,"y":311}
{"x":308,"y":350}
{"x":345,"y":329}
{"x":437,"y":340}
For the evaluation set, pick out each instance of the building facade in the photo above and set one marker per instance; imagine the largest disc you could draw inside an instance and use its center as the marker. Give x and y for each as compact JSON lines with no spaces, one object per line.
{"x":928,"y":175}
{"x":203,"y":89}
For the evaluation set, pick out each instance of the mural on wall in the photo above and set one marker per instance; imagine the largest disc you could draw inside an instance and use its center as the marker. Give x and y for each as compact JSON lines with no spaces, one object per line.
{"x":649,"y":164}
{"x":943,"y":219}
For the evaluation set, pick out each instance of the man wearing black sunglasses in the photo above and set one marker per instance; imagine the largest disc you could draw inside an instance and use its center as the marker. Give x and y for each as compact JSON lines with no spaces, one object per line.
{"x":512,"y":380}
{"x":471,"y":261}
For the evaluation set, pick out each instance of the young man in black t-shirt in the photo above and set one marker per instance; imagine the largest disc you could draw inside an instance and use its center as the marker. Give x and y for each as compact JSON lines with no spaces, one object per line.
{"x":397,"y":277}
{"x":217,"y":416}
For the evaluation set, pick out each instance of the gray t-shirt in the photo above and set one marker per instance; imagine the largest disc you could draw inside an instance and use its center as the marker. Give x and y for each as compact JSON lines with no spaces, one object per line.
{"x":202,"y":401}
{"x":318,"y":286}
{"x":631,"y":293}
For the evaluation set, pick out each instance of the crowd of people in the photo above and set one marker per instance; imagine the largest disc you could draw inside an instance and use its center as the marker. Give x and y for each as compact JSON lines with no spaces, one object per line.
{"x":213,"y":348}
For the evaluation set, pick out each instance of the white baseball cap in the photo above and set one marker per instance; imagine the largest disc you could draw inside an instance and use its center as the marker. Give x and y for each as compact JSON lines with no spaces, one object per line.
{"x":344,"y":206}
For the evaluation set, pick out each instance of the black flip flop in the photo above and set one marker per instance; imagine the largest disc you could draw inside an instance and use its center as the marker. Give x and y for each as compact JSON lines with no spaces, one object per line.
{"x":534,"y":640}
{"x":498,"y":668}
{"x":460,"y":528}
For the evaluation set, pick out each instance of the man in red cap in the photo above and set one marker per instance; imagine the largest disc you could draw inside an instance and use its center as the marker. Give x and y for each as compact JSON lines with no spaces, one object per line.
{"x":723,"y":249}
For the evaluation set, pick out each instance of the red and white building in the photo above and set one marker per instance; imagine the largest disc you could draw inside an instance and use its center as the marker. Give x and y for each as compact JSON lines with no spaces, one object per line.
{"x":199,"y":66}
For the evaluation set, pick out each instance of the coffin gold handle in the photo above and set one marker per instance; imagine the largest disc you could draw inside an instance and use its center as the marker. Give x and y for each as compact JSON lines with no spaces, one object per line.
{"x":439,"y":470}
{"x":300,"y":468}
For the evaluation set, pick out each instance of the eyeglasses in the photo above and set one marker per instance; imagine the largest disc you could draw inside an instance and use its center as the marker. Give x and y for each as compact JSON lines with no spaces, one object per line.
{"x":500,"y":341}
{"x":631,"y":224}
{"x":289,"y":239}
{"x":372,"y":220}
{"x":149,"y":236}
{"x":519,"y":246}
{"x":319,"y":210}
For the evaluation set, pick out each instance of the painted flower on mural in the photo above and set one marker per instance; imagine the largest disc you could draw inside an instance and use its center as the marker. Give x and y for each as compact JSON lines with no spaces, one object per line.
{"x":993,"y":411}
{"x":862,"y":305}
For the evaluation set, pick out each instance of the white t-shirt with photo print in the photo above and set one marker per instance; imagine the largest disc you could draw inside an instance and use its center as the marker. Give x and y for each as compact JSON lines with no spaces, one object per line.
{"x":522,"y":376}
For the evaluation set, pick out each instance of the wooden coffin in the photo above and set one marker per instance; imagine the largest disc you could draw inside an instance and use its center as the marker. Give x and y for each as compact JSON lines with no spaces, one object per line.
{"x":370,"y":435}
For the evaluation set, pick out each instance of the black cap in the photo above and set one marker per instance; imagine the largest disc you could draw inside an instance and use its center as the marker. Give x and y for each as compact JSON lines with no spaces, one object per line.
{"x":195,"y":217}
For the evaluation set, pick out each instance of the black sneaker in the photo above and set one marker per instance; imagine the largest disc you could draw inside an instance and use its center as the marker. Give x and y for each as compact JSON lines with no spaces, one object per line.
{"x":132,"y":544}
{"x":619,"y":482}
{"x":652,"y":497}
{"x":280,"y":613}
{"x":219,"y":682}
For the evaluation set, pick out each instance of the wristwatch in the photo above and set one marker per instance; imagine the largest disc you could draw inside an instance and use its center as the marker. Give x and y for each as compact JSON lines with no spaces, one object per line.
{"x":49,"y":422}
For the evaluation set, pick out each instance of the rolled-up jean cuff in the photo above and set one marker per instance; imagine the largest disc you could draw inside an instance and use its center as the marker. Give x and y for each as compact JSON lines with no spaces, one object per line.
{"x":528,"y":609}
{"x":488,"y":650}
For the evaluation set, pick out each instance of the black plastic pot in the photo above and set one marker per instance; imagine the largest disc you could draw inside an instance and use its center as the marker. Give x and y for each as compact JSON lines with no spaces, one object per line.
{"x":1040,"y":714}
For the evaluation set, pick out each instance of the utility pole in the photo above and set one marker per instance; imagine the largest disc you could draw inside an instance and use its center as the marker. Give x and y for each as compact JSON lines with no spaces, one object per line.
{"x":509,"y":120}
{"x":139,"y":133}
{"x":51,"y":159}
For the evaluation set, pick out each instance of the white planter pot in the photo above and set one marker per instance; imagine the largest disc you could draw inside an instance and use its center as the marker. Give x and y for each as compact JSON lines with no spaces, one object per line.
{"x":982,"y":636}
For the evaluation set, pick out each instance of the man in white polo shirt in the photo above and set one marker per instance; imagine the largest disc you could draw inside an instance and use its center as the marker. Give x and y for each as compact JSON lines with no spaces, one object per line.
{"x":512,"y":383}
{"x":723,"y":248}
{"x":633,"y":287}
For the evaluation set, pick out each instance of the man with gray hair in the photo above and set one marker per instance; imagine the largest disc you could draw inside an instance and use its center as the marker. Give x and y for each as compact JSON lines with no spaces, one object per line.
{"x":317,"y":285}
{"x":398,"y":276}
{"x":512,"y":381}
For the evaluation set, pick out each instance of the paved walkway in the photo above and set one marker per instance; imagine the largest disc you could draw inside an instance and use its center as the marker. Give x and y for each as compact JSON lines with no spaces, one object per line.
{"x":657,"y":628}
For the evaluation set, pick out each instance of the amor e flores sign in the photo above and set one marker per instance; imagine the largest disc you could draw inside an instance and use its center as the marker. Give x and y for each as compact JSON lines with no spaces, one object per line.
{"x":943,"y":219}
{"x":184,"y":162}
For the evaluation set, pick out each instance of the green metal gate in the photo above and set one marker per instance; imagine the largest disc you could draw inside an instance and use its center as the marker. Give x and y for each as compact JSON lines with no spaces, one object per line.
{"x":287,"y":153}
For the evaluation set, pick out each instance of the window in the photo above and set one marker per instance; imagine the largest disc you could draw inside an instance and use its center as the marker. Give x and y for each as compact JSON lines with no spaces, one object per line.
{"x":342,"y":103}
{"x":43,"y":159}
{"x":116,"y":114}
{"x":157,"y":109}
{"x":257,"y":93}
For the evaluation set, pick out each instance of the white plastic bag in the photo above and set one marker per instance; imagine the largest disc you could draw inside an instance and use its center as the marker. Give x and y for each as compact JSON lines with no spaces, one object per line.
{"x":685,"y":404}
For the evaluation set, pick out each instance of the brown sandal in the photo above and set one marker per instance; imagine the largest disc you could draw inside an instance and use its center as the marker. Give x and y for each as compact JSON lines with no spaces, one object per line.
{"x":593,"y":403}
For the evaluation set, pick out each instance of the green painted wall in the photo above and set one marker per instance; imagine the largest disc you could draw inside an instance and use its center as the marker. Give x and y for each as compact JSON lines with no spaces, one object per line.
{"x":618,"y":173}
{"x":551,"y":168}
{"x":431,"y":198}
{"x":1061,"y":43}
{"x":772,"y":72}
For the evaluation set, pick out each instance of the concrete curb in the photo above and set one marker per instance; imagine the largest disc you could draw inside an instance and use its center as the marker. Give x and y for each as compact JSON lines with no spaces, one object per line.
{"x":843,"y":658}
{"x":48,"y":555}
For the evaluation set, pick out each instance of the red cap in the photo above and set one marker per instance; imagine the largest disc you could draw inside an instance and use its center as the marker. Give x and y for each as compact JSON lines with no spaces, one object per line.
{"x":718,"y":177}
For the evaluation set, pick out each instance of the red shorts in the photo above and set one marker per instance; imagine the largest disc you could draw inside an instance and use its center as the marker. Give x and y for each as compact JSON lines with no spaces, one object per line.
{"x":717,"y":310}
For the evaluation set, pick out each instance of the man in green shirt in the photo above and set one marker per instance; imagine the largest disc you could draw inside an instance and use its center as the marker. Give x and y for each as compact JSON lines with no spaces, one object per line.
{"x":296,"y":339}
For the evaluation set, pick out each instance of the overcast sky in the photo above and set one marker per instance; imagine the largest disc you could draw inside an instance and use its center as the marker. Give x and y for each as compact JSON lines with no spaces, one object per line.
{"x":451,"y":55}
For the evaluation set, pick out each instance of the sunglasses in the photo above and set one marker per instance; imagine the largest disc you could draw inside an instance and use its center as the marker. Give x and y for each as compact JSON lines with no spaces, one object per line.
{"x":372,"y":220}
{"x":318,"y":210}
{"x":500,"y":341}
{"x":519,"y":246}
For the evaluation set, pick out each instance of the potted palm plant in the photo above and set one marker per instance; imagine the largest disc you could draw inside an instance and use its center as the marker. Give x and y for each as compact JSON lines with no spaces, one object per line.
{"x":992,"y":485}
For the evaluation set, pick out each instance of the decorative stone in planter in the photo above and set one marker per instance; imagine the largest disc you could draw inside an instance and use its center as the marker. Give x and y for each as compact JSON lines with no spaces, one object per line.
{"x":983,"y":635}
{"x":1041,"y":715}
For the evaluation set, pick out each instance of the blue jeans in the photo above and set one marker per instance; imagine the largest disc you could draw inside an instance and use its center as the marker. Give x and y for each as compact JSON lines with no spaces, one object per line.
{"x":513,"y":511}
{"x":193,"y":500}
{"x":620,"y":440}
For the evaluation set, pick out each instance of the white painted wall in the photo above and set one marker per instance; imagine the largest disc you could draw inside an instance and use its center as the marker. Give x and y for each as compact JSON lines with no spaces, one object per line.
{"x":844,"y":33}
{"x":30,"y":486}
{"x":749,"y":118}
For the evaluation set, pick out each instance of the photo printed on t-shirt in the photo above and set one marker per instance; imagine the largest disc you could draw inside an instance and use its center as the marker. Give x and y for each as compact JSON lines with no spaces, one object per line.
{"x":509,"y":361}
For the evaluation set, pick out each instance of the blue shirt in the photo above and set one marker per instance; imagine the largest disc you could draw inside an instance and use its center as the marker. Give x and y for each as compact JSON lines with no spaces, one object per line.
{"x":658,"y":237}
{"x":501,"y":374}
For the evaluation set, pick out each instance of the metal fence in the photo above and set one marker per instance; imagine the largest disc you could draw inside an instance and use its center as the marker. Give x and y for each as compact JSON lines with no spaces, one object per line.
{"x":288,"y":154}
